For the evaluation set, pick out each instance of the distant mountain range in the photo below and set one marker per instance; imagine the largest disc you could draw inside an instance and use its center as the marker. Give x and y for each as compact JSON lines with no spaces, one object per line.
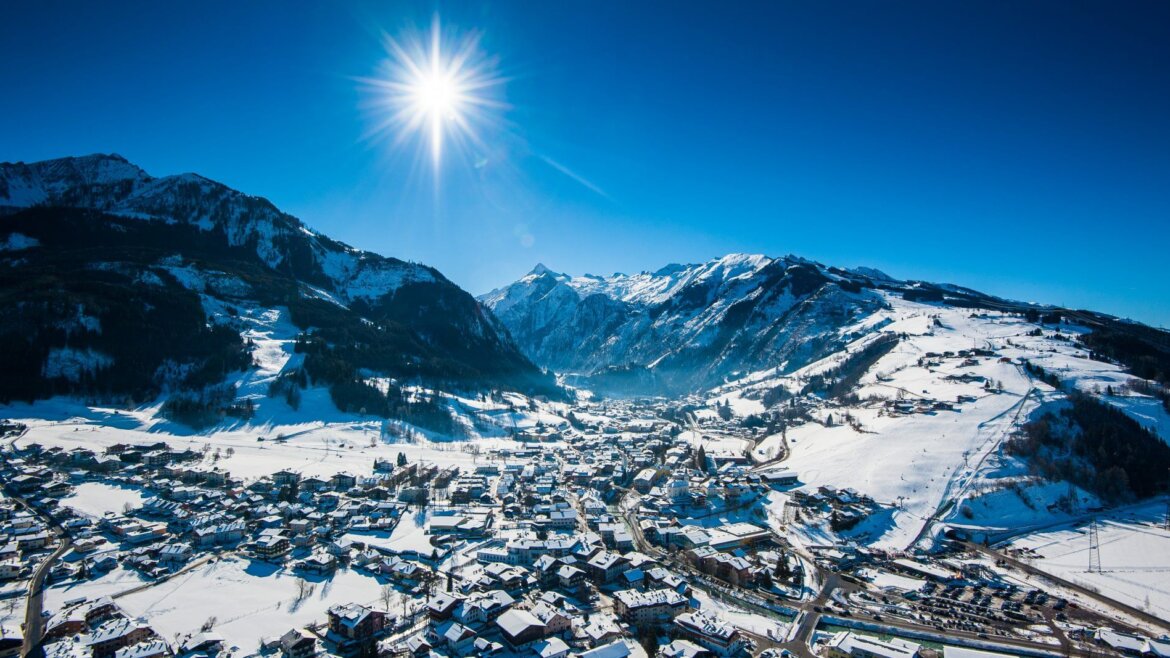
{"x":685,"y":328}
{"x":119,"y":284}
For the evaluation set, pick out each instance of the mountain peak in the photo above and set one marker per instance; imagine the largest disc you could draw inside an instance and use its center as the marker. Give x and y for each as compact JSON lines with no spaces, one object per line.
{"x":541,"y":269}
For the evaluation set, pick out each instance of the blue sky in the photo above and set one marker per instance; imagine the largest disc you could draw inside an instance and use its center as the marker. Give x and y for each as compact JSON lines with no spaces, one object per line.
{"x":1021,"y":148}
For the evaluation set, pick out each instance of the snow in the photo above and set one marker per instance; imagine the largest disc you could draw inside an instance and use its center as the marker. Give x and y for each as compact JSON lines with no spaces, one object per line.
{"x":317,"y":440}
{"x":948,"y":463}
{"x":409,"y":536}
{"x":264,"y":600}
{"x":740,"y":618}
{"x":72,"y":363}
{"x":886,"y":580}
{"x":117,"y":580}
{"x":1135,"y":556}
{"x":94,"y":499}
{"x":19,"y":242}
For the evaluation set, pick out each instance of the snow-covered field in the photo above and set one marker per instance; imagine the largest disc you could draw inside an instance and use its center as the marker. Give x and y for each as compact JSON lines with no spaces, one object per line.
{"x":1135,"y":557}
{"x":409,"y":535}
{"x":115,"y":581}
{"x":248,"y":600}
{"x":312,"y":447}
{"x":94,"y":499}
{"x":11,"y":616}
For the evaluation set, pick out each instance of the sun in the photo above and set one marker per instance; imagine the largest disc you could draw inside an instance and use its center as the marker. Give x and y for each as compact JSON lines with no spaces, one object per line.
{"x":439,"y":90}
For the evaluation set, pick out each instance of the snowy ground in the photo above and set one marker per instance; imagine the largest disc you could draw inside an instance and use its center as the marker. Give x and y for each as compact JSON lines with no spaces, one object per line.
{"x":314,"y":448}
{"x":410,"y":534}
{"x":1135,"y":557}
{"x":264,"y":600}
{"x":947,"y":464}
{"x":117,"y":580}
{"x":93,"y":499}
{"x":11,"y":616}
{"x":749,"y":621}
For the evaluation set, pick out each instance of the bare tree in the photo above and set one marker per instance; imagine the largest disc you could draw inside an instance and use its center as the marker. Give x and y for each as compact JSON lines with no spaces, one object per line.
{"x":387,"y":596}
{"x":304,"y":589}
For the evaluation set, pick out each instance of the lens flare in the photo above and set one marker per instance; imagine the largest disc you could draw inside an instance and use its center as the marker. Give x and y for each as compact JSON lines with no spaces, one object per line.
{"x":435,"y":89}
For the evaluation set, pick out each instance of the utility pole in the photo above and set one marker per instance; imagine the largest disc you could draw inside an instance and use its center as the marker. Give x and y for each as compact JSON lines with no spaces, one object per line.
{"x":1094,"y":547}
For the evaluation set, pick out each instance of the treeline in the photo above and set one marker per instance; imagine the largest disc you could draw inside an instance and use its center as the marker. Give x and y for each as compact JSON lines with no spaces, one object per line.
{"x":150,"y":337}
{"x":1097,"y":447}
{"x":1143,"y":350}
{"x":207,"y":406}
{"x":158,"y":338}
{"x":351,"y":393}
{"x":842,"y":378}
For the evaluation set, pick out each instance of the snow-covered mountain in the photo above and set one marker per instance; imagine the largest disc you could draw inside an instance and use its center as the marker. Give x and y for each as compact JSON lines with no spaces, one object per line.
{"x":684,"y":326}
{"x":117,"y":283}
{"x":113,"y":185}
{"x":690,"y":327}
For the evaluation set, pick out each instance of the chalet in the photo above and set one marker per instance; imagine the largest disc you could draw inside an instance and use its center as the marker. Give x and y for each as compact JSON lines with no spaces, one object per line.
{"x":460,"y":640}
{"x":298,"y":643}
{"x":520,"y":628}
{"x":105,"y":640}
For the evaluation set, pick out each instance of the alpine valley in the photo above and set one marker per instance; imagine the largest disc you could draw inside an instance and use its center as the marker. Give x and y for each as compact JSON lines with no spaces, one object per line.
{"x":207,"y":402}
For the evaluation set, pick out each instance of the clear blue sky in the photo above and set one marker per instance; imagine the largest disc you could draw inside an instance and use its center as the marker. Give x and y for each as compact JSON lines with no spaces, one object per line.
{"x":1021,"y":148}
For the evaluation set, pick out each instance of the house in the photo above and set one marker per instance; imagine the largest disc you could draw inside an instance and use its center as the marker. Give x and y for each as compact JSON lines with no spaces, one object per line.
{"x":418,"y":646}
{"x":207,"y":643}
{"x":175,"y":554}
{"x":270,"y":546}
{"x":298,"y":643}
{"x":318,"y":563}
{"x":105,"y":640}
{"x":441,"y":607}
{"x":156,"y":648}
{"x":605,"y":566}
{"x":555,"y":621}
{"x":285,"y":478}
{"x":460,"y":640}
{"x":520,"y":628}
{"x":615,"y":649}
{"x":553,"y":647}
{"x":684,"y":649}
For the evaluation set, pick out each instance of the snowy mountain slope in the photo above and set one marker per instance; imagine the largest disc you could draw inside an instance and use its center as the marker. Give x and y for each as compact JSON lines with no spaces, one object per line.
{"x":119,"y":285}
{"x":689,"y":327}
{"x":111,"y":184}
{"x":682,"y":327}
{"x":926,"y":430}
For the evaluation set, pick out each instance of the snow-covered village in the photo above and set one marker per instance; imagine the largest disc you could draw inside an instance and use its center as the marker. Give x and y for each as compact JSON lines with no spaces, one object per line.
{"x":579,"y":329}
{"x":719,"y":525}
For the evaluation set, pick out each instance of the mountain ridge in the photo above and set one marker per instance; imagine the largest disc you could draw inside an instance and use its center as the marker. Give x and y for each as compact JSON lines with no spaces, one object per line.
{"x":728,"y":316}
{"x":99,"y":234}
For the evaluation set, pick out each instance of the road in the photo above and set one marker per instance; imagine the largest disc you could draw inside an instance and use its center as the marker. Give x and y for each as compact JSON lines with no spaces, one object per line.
{"x":34,"y":621}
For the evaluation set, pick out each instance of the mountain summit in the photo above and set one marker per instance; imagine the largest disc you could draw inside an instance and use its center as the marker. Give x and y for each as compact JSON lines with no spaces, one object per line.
{"x":116,"y":283}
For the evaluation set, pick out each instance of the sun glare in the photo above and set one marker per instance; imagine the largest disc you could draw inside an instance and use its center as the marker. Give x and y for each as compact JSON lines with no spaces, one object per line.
{"x":436,"y":90}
